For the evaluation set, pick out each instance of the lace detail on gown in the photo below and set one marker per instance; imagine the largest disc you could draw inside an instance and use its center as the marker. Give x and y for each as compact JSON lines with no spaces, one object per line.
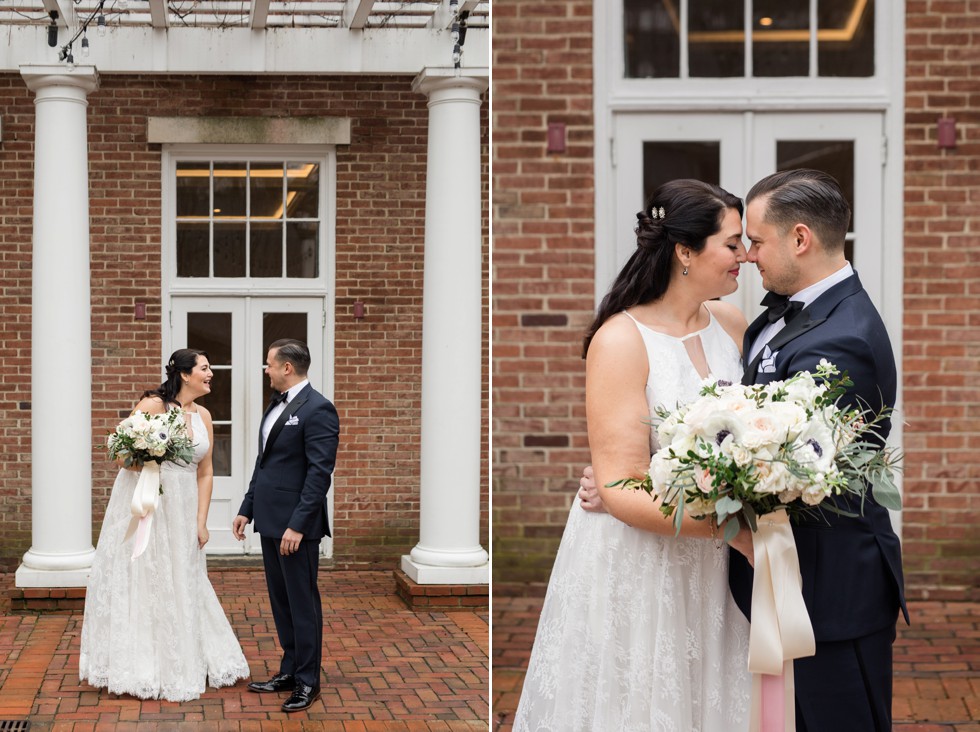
{"x":638,"y":631}
{"x":153,"y":628}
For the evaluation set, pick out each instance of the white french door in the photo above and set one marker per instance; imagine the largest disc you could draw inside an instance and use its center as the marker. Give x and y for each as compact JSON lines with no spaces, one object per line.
{"x":734,"y":150}
{"x":236,"y":332}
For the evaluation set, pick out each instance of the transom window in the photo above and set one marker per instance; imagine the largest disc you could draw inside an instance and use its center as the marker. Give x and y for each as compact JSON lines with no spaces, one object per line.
{"x":748,"y":38}
{"x":248,"y":219}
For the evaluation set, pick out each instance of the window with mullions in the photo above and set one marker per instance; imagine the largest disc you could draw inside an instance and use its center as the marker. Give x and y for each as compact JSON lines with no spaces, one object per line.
{"x":748,"y":38}
{"x":248,"y":219}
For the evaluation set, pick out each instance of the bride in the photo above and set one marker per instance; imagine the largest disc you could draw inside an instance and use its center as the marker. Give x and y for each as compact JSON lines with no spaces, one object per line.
{"x":638,"y":631}
{"x":153,"y":627}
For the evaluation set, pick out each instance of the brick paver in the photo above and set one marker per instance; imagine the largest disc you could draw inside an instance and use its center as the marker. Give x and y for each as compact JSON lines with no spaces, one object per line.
{"x":937,"y":664}
{"x":385,"y":667}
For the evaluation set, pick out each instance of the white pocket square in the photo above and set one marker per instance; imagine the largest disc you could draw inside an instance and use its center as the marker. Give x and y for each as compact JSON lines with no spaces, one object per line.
{"x":767,"y":364}
{"x":294,"y":420}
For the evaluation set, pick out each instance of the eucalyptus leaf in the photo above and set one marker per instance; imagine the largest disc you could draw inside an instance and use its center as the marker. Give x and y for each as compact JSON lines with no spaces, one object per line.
{"x":886,"y":492}
{"x":731,"y":530}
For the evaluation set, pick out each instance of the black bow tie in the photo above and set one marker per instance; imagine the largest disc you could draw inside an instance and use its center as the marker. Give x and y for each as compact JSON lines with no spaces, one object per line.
{"x":780,"y":306}
{"x":277,"y":398}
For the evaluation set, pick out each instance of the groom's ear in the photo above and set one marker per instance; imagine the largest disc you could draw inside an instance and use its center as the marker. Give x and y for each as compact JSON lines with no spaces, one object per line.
{"x":803,"y":237}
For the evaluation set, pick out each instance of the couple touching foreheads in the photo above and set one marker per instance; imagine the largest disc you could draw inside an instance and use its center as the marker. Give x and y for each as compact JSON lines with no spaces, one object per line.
{"x":153,"y":626}
{"x":647,"y":631}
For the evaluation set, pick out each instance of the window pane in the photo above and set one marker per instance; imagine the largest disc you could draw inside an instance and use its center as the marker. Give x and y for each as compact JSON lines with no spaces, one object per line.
{"x":274,"y":327}
{"x":229,"y":189}
{"x":664,"y":161}
{"x":651,"y":38}
{"x":229,"y":249}
{"x":716,"y":38}
{"x":211,"y":332}
{"x":301,"y":249}
{"x":218,"y":402}
{"x":846,"y":38}
{"x":194,"y":189}
{"x":303,"y":190}
{"x":265,"y":249}
{"x":781,"y":37}
{"x":265,"y":181}
{"x":221,"y":457}
{"x":192,"y":249}
{"x":835,"y":157}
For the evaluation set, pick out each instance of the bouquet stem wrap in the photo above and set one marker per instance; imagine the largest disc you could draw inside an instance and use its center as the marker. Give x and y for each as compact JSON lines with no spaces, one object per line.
{"x":780,"y":630}
{"x":146,"y":499}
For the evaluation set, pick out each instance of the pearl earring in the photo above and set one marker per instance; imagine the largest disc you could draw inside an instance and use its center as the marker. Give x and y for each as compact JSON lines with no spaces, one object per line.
{"x":684,"y":272}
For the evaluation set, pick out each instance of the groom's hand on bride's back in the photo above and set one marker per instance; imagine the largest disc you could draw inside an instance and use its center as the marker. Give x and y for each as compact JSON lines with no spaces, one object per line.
{"x":588,"y":492}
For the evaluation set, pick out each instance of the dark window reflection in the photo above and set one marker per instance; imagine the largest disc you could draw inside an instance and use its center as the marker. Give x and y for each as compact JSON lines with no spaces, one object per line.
{"x":193,"y":189}
{"x":211,"y":332}
{"x":665,"y":161}
{"x":265,"y":245}
{"x":229,"y":189}
{"x":265,"y":184}
{"x":193,"y":250}
{"x":846,"y":41}
{"x":781,"y":38}
{"x":301,"y":249}
{"x":651,"y":38}
{"x":221,"y":457}
{"x":716,"y":38}
{"x":229,"y":249}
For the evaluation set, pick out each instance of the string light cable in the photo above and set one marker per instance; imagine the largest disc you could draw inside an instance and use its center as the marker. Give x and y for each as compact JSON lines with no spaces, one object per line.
{"x":65,"y":54}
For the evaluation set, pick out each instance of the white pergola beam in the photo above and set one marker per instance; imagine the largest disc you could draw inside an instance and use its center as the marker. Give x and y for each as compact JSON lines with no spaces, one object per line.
{"x":258,"y":14}
{"x":158,"y":13}
{"x":468,"y":6}
{"x":142,"y":50}
{"x":63,"y":8}
{"x":356,"y":13}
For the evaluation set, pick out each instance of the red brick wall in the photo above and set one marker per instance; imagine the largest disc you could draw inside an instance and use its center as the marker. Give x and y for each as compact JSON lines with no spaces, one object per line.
{"x":380,"y":237}
{"x":942,"y":302}
{"x":543,"y":262}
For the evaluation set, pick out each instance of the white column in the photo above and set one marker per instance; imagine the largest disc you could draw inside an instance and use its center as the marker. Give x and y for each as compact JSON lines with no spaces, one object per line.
{"x":61,"y":350}
{"x":449,"y":550}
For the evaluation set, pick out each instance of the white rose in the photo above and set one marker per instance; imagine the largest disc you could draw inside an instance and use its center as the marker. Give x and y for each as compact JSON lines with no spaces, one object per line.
{"x":773,"y":477}
{"x":740,"y":455}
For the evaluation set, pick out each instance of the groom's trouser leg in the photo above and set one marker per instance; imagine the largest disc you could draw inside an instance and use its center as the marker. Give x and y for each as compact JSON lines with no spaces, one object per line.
{"x":846,"y":686}
{"x":296,"y":607}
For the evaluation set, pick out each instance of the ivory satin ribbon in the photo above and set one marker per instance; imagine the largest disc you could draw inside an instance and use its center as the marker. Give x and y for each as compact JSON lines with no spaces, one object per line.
{"x":146,"y":500}
{"x":780,"y":629}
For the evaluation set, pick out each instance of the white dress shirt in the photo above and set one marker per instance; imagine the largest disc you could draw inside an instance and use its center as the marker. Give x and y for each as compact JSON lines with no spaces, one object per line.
{"x":279,"y":409}
{"x":805,"y":296}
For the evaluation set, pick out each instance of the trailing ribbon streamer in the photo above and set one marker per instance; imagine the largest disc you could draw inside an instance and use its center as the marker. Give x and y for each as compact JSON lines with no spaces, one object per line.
{"x":146,"y":499}
{"x":780,"y":629}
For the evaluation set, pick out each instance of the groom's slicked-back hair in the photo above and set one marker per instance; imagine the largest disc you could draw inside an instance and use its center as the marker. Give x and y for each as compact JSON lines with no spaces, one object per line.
{"x":296,"y":352}
{"x":806,"y":196}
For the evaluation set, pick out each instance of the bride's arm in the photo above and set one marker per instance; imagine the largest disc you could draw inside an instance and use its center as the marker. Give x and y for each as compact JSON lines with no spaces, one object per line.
{"x":619,"y":427}
{"x":205,"y":482}
{"x":731,"y":319}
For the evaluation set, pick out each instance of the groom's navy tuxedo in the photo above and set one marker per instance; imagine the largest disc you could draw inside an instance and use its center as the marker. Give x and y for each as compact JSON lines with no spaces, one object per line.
{"x":851,"y":567}
{"x":289,"y":490}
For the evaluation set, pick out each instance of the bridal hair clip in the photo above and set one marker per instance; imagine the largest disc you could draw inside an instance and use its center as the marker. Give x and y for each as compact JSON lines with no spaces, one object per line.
{"x":657,"y":213}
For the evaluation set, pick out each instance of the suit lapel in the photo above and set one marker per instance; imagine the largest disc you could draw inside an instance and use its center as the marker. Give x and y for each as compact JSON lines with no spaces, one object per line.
{"x":810,"y":317}
{"x":288,"y":412}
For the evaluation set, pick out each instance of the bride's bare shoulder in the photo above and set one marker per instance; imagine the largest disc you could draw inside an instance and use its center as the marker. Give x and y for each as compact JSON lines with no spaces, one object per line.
{"x":730,"y":317}
{"x":151,"y":405}
{"x":618,"y":332}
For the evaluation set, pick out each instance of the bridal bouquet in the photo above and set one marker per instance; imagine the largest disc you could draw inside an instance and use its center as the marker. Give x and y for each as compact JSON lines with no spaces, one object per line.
{"x":159,"y":438}
{"x":749,"y":451}
{"x":147,"y":440}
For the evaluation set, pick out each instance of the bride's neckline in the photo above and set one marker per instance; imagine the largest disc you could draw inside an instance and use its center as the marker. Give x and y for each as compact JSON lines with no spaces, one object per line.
{"x":692,"y":334}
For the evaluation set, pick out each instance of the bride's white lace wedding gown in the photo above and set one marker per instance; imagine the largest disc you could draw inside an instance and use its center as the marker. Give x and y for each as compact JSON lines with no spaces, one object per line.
{"x":153,"y":627}
{"x":638,"y":632}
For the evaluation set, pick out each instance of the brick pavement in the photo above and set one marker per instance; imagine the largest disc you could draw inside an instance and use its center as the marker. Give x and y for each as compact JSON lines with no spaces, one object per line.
{"x":385,"y":667}
{"x":937,"y":664}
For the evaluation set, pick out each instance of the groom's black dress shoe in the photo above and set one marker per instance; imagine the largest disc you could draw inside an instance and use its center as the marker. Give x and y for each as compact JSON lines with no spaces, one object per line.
{"x":301,"y":698}
{"x":279,"y":682}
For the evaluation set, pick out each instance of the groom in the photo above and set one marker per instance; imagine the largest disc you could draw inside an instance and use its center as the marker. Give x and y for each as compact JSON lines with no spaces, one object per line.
{"x":298,"y":440}
{"x":796,"y":222}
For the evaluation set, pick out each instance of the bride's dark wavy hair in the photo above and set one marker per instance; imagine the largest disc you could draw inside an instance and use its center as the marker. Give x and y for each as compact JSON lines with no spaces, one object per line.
{"x":182,"y":361}
{"x":692,"y":211}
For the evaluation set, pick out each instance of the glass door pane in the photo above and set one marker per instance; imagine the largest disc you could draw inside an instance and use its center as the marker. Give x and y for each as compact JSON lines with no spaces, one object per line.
{"x":848,"y":146}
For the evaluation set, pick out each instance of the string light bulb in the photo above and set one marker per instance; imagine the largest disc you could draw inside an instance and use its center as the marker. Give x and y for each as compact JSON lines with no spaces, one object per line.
{"x":86,"y":51}
{"x":53,"y":29}
{"x":100,"y":25}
